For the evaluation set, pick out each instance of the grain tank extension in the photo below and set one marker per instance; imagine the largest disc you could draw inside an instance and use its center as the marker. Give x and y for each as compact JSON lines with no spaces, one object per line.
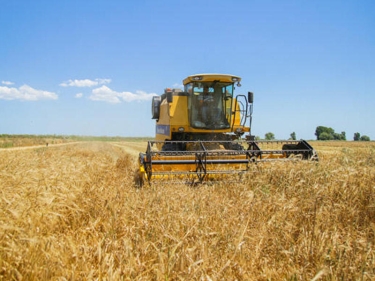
{"x":203,"y":132}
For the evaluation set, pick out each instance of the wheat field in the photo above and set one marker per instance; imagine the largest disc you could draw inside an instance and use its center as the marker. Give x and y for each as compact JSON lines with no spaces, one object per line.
{"x":73,"y":212}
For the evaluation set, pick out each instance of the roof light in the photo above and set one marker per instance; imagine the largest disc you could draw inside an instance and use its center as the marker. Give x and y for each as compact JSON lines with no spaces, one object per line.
{"x":197,"y":78}
{"x":235,"y":79}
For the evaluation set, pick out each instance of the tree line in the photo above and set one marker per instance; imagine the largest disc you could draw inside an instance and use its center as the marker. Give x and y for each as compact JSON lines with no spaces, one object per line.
{"x":321,"y":133}
{"x":327,"y":133}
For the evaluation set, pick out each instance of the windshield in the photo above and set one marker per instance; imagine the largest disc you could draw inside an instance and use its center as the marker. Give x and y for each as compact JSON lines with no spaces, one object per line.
{"x":210,"y":104}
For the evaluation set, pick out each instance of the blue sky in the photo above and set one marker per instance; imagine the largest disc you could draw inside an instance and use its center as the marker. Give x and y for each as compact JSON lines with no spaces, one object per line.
{"x":91,"y":67}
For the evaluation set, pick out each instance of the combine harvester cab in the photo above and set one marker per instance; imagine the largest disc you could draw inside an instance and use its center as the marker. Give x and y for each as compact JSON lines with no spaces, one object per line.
{"x":200,"y":134}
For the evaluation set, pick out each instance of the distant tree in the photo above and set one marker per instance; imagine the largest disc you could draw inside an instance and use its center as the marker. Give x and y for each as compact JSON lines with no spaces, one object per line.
{"x":343,"y":136}
{"x":293,"y":136}
{"x":357,"y":136}
{"x":365,"y":138}
{"x":325,"y":136}
{"x":257,"y":137}
{"x":321,"y":129}
{"x":337,"y":136}
{"x":269,"y":136}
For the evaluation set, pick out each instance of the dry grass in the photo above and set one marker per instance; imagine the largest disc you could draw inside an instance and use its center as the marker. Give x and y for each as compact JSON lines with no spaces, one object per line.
{"x":73,"y":213}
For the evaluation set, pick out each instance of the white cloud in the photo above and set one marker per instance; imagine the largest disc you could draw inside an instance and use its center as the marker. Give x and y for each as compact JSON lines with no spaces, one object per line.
{"x":103,"y":81}
{"x":79,"y":95}
{"x":108,"y":95}
{"x":8,"y":83}
{"x":25,"y":93}
{"x":85,"y":82}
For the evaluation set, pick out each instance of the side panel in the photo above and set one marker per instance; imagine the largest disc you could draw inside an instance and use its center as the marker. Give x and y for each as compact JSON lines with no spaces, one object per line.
{"x":179,"y":111}
{"x":172,"y":117}
{"x":162,"y":130}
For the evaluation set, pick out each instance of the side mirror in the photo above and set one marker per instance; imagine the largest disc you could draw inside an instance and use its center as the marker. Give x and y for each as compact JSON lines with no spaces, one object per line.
{"x":250,"y":97}
{"x":170,"y":97}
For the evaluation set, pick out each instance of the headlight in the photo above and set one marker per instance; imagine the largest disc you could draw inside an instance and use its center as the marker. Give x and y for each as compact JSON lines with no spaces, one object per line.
{"x":181,"y":129}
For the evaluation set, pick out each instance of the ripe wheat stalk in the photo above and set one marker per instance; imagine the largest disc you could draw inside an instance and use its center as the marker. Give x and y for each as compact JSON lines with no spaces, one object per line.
{"x":74,"y":213}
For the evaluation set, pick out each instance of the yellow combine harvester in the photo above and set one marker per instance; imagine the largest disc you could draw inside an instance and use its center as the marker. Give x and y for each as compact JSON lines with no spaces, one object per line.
{"x":200,"y":133}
